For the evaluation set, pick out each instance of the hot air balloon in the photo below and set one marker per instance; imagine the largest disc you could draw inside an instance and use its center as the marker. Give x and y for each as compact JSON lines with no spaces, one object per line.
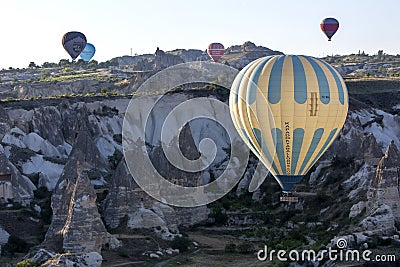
{"x":329,"y":26}
{"x":74,"y":43}
{"x":88,"y":52}
{"x":288,"y":109}
{"x":215,"y":51}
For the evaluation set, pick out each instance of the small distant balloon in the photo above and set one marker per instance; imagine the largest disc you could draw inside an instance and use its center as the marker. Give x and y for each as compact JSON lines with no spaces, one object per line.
{"x":74,"y":43}
{"x":216,"y":51}
{"x":329,"y":26}
{"x":88,"y":52}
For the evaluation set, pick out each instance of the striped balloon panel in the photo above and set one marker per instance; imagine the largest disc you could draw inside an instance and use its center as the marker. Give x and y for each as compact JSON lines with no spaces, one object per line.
{"x":236,"y":100}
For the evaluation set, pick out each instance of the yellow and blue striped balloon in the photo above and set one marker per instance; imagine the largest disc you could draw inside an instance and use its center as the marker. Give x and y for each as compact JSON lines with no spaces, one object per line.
{"x":288,"y":110}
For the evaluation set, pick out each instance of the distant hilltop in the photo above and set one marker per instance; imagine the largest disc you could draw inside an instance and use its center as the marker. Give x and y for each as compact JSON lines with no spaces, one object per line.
{"x":357,"y":65}
{"x":236,"y":56}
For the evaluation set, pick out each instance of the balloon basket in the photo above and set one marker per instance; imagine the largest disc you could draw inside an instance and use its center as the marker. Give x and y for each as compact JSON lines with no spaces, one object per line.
{"x":288,"y":197}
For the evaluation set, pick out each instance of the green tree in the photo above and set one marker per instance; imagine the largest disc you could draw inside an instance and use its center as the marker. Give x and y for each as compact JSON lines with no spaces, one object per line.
{"x":80,"y":62}
{"x":246,"y":247}
{"x":181,"y":243}
{"x":49,"y":65}
{"x":32,"y":65}
{"x":93,"y":64}
{"x":26,"y":263}
{"x":64,"y":63}
{"x":380,"y":55}
{"x":230,"y":248}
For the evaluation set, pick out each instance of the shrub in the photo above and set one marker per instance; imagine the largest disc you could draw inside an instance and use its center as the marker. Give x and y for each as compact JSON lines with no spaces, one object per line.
{"x":181,"y":243}
{"x":115,"y":159}
{"x":384,"y":241}
{"x":123,"y":253}
{"x":26,"y":263}
{"x":42,"y":193}
{"x":231,"y":247}
{"x":219,"y":216}
{"x":15,"y":244}
{"x":245,"y":247}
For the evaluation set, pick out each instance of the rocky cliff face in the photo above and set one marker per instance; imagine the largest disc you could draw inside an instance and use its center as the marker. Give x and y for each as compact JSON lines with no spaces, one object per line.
{"x":384,"y":192}
{"x":4,"y":235}
{"x":127,"y":205}
{"x":13,"y":185}
{"x":238,"y":56}
{"x":79,"y":86}
{"x":190,"y":55}
{"x":76,"y":225}
{"x":354,"y":142}
{"x":163,"y":60}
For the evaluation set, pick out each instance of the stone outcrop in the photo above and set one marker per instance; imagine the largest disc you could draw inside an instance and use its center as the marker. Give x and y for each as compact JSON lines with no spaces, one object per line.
{"x":127,"y":200}
{"x":4,"y":235}
{"x":385,"y":187}
{"x":42,"y":118}
{"x":93,"y":159}
{"x":90,"y":259}
{"x":76,"y":225}
{"x":77,"y":86}
{"x":163,"y":60}
{"x":4,"y":116}
{"x":382,"y":207}
{"x":4,"y":123}
{"x":133,"y":60}
{"x":380,"y":221}
{"x":190,"y":54}
{"x":241,"y":55}
{"x":353,"y":142}
{"x":13,"y":185}
{"x":125,"y":197}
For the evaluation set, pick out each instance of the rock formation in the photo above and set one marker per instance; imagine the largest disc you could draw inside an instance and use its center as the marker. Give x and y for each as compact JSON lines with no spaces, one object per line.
{"x":382,"y":201}
{"x":12,"y":184}
{"x":353,"y":142}
{"x":127,"y":200}
{"x":90,"y":259}
{"x":385,"y":187}
{"x":241,"y":55}
{"x":190,"y":55}
{"x":4,"y":235}
{"x":76,"y":225}
{"x":45,"y":116}
{"x":163,"y":60}
{"x":91,"y":155}
{"x":4,"y":123}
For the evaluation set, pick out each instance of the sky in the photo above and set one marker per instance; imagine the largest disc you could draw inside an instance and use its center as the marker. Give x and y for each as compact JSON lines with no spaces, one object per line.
{"x":32,"y":29}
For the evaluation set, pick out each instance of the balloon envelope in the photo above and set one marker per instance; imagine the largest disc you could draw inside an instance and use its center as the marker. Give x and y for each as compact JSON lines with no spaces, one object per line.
{"x":288,"y":109}
{"x":216,"y":51}
{"x":74,"y":43}
{"x":329,"y":26}
{"x":88,"y":52}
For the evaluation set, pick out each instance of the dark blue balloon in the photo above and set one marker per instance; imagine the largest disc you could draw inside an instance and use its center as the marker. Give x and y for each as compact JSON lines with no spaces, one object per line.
{"x":73,"y":43}
{"x":88,"y":52}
